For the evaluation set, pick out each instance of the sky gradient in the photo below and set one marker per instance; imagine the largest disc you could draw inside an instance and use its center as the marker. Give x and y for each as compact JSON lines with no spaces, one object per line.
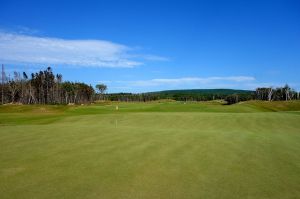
{"x":139,"y":46}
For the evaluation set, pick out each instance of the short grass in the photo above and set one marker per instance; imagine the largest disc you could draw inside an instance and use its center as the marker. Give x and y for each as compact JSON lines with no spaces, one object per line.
{"x":151,"y":150}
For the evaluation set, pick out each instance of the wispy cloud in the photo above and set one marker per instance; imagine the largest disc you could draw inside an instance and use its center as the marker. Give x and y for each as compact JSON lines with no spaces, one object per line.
{"x":185,"y":83}
{"x":230,"y":82}
{"x":154,"y":58}
{"x":188,"y":81}
{"x":20,"y":48}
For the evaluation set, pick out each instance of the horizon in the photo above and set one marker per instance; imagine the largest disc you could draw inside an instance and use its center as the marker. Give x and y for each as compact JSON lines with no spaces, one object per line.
{"x":193,"y":89}
{"x":153,"y":46}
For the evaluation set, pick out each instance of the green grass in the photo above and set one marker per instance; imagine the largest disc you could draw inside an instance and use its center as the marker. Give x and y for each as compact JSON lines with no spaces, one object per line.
{"x":151,"y":150}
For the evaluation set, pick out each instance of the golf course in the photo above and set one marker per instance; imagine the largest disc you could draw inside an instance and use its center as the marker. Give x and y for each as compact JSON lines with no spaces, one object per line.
{"x":159,"y":149}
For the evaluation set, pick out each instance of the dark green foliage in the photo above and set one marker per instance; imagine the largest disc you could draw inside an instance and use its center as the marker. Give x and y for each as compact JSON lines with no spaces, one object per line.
{"x":201,"y":94}
{"x":232,"y":99}
{"x":127,"y":97}
{"x":101,"y":89}
{"x":182,"y":95}
{"x":230,"y":95}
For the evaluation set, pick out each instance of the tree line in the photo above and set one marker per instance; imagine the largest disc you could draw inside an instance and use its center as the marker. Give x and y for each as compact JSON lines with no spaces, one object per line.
{"x":266,"y":94}
{"x":180,"y":95}
{"x":284,"y":93}
{"x":280,"y":93}
{"x":43,"y":87}
{"x":144,"y":97}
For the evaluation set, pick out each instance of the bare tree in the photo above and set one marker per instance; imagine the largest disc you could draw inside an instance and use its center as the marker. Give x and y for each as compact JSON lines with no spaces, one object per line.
{"x":270,"y":93}
{"x":13,"y":88}
{"x":3,"y":82}
{"x":287,"y":91}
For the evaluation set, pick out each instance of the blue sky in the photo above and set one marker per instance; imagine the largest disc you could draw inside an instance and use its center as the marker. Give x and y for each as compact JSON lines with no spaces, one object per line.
{"x":138,"y":46}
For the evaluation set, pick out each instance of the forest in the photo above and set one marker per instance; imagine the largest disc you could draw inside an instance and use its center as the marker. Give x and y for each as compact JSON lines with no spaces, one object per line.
{"x":43,"y":87}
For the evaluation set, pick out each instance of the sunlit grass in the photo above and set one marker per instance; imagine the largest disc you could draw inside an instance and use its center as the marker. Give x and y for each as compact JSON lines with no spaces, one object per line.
{"x":151,"y":150}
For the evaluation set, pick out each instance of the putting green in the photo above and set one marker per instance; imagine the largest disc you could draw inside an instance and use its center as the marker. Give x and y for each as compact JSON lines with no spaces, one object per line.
{"x":151,"y":150}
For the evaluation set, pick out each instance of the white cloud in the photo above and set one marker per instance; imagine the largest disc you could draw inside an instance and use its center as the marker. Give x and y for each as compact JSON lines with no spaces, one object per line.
{"x":19,"y":48}
{"x":188,"y":81}
{"x":237,"y":82}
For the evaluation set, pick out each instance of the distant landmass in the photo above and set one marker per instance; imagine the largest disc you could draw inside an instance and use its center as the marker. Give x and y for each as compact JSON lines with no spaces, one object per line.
{"x":203,"y":91}
{"x":183,"y":95}
{"x":201,"y":94}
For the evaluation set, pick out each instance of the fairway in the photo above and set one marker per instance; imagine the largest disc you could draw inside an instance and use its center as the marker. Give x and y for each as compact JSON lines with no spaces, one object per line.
{"x":151,"y":150}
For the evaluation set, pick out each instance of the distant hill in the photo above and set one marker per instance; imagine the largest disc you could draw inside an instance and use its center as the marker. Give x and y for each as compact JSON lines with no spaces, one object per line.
{"x":182,"y":95}
{"x":201,"y":94}
{"x":203,"y":91}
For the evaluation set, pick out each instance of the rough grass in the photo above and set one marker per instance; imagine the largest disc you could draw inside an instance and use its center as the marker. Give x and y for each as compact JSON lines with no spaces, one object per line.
{"x":151,"y":150}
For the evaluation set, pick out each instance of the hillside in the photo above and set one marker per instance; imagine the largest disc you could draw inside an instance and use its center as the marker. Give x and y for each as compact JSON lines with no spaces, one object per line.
{"x":204,"y":91}
{"x":201,"y":94}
